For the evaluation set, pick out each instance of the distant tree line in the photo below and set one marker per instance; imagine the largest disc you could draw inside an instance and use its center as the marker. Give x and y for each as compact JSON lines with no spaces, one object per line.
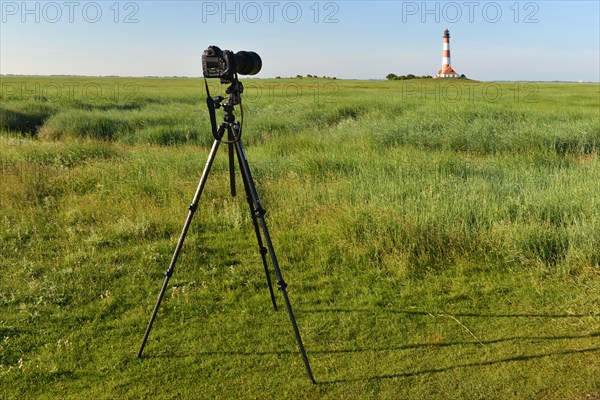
{"x":394,"y":77}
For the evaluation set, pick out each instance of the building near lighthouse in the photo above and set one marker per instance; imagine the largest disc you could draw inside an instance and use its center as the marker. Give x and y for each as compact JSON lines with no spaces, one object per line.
{"x":447,"y":71}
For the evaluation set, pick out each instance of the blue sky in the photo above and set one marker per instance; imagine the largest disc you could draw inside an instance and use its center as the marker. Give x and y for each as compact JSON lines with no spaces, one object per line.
{"x":490,"y":40}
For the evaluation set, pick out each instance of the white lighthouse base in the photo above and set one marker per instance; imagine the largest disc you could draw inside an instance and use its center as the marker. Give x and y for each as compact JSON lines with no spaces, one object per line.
{"x":447,"y":72}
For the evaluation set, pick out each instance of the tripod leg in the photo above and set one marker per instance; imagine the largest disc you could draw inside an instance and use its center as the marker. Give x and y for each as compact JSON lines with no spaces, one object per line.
{"x":261,"y":248}
{"x":231,"y":153}
{"x":192,"y":210}
{"x":259,"y":213}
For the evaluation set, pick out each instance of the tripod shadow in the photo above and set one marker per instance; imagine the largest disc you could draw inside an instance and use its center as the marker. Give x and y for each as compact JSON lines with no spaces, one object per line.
{"x":458,"y":314}
{"x":501,"y":360}
{"x":464,"y":343}
{"x":465,"y":365}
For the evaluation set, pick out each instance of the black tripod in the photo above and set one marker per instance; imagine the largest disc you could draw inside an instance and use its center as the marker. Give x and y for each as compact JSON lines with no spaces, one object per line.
{"x":234,"y":143}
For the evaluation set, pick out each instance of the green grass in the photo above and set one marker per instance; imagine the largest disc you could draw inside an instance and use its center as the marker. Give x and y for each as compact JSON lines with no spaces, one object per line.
{"x":435,"y":246}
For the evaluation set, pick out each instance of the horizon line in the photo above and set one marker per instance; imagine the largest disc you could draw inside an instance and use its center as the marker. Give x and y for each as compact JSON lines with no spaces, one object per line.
{"x":279,"y":77}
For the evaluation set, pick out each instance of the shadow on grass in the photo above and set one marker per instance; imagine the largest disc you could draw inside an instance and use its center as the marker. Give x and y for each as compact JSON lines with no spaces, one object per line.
{"x":462,"y":343}
{"x":412,"y":373}
{"x":169,"y":354}
{"x":457,"y":314}
{"x":450,"y":344}
{"x":415,"y":345}
{"x":312,"y":352}
{"x":459,"y":366}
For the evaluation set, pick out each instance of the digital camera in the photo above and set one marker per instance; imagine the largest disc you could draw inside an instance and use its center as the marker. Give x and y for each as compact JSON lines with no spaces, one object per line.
{"x":224,"y":64}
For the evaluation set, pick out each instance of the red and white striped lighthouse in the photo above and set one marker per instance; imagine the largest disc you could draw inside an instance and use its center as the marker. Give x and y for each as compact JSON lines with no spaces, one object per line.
{"x":446,"y":71}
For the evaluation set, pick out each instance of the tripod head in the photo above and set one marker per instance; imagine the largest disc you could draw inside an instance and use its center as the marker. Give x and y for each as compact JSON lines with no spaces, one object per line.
{"x":234,"y":91}
{"x":234,"y":129}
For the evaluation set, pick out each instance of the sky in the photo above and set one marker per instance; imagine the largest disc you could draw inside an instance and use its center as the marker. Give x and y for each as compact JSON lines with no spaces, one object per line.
{"x":490,"y":40}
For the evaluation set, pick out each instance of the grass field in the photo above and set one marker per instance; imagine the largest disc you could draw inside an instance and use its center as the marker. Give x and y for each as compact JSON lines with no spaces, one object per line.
{"x":440,"y":240}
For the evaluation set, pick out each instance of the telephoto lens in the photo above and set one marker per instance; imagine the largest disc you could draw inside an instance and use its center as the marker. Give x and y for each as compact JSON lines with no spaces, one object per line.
{"x":247,"y":63}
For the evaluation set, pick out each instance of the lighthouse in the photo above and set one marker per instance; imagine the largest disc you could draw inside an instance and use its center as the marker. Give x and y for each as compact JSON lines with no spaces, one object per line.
{"x":446,"y":71}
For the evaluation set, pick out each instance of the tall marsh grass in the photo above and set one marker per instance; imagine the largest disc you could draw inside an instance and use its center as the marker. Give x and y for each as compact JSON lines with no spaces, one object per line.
{"x":412,"y":183}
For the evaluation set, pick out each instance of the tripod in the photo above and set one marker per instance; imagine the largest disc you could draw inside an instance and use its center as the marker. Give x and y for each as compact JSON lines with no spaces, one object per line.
{"x":234,"y":143}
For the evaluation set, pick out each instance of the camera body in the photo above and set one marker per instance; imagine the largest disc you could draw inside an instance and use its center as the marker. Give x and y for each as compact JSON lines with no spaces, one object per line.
{"x":224,"y":64}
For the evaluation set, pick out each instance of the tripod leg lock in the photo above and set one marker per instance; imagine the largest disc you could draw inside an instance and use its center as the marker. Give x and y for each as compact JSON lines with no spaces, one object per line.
{"x":263,"y":251}
{"x":259,"y":212}
{"x":193,"y":207}
{"x":169,"y":273}
{"x":281,"y":285}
